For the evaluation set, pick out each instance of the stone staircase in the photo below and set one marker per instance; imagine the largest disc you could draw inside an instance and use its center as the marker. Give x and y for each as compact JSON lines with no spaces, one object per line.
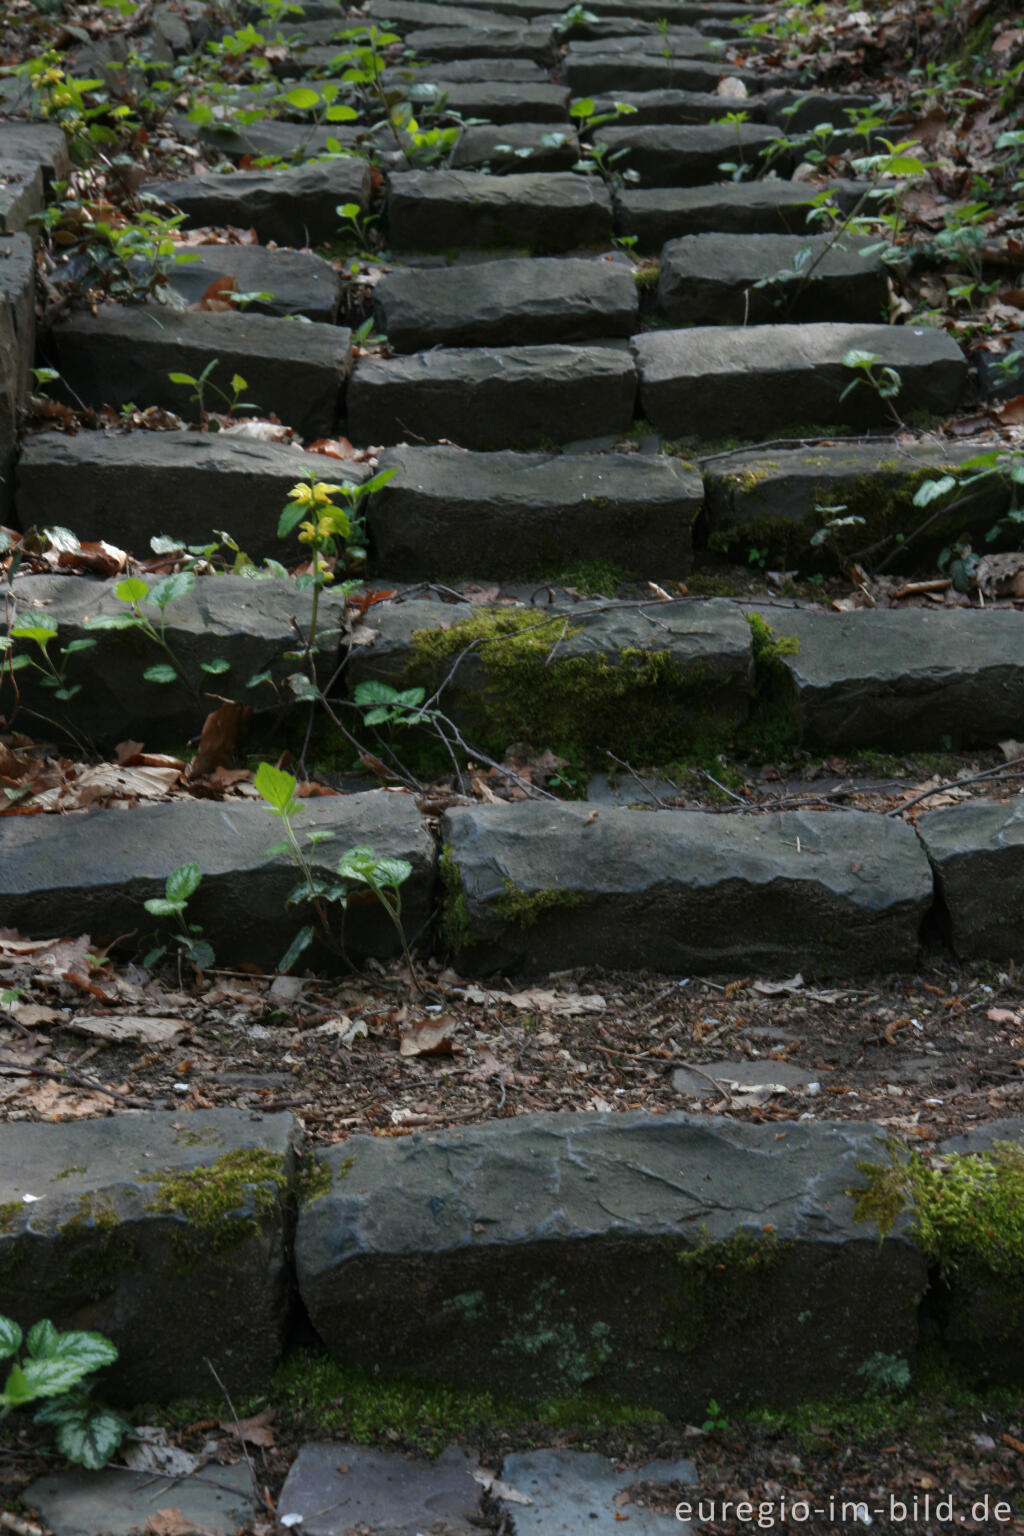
{"x":534,"y":399}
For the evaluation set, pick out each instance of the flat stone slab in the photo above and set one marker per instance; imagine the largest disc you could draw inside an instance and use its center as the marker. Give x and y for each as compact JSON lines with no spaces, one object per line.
{"x":540,"y":888}
{"x":977,"y":853}
{"x":906,"y":679}
{"x":802,"y":111}
{"x":153,"y":1228}
{"x":516,"y":147}
{"x":42,"y":144}
{"x":713,"y":280}
{"x":335,"y":1487}
{"x":772,"y":497}
{"x":567,"y":1488}
{"x":491,"y":398}
{"x":507,"y":303}
{"x":657,"y":214}
{"x":21,"y":195}
{"x":653,"y":1256}
{"x":650,"y":682}
{"x":752,"y":381}
{"x":298,"y":282}
{"x":122,"y":354}
{"x":534,"y":40}
{"x":454,"y":513}
{"x":119,"y":1502}
{"x":292,"y":206}
{"x":444,"y":210}
{"x":674,"y":107}
{"x":500,"y":101}
{"x":92,"y":871}
{"x":687,"y":156}
{"x":189,"y":485}
{"x":594,"y":74}
{"x":760,"y":1077}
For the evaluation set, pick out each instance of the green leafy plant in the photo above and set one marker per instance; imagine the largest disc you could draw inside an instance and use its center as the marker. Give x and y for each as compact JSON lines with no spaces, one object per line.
{"x":715,"y":1420}
{"x":600,"y":159}
{"x":202,"y":387}
{"x":124,"y":257}
{"x":870,"y":371}
{"x":738,"y":169}
{"x":41,"y":631}
{"x":829,"y":535}
{"x":135,"y":594}
{"x":54,"y":1366}
{"x":181,"y":885}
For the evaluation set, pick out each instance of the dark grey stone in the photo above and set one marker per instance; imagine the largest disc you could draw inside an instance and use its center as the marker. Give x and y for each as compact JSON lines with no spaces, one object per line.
{"x":128,"y":488}
{"x":906,"y":679}
{"x":42,"y":144}
{"x":442,"y":210}
{"x":686,"y":156}
{"x":17,"y":350}
{"x":693,"y":660}
{"x":299,"y":282}
{"x":535,"y":40}
{"x":500,"y":101}
{"x":754,"y":381}
{"x":396,"y":15}
{"x":684,"y":42}
{"x":272,"y":136}
{"x":977,"y":853}
{"x":679,"y":108}
{"x":712,"y":280}
{"x":775,"y":496}
{"x":108,"y":1245}
{"x":507,"y":303}
{"x":594,"y":74}
{"x":657,"y":214}
{"x":118,"y":1502}
{"x":802,"y":111}
{"x":568,"y":1487}
{"x":552,"y":1252}
{"x":516,"y":147}
{"x":294,"y":206}
{"x":21,"y":195}
{"x":92,"y":871}
{"x":122,"y":354}
{"x":491,"y":397}
{"x":335,"y":1488}
{"x":478,"y":71}
{"x":678,"y":891}
{"x":450,"y":513}
{"x":247,"y":623}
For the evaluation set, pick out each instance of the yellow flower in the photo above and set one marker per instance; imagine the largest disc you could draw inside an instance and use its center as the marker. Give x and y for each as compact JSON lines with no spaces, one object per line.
{"x":307,"y":534}
{"x":303,"y":494}
{"x":323,"y":493}
{"x":51,"y":76}
{"x":322,"y":569}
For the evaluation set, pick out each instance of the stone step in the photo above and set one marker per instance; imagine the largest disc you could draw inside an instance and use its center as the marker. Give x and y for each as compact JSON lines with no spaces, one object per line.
{"x":535,"y":887}
{"x":924,"y":680}
{"x":249,"y":624}
{"x":678,"y":108}
{"x":774,"y":498}
{"x":665,"y":156}
{"x":594,"y":74}
{"x":17,"y":350}
{"x":802,"y":111}
{"x":298,"y":282}
{"x":448,"y":513}
{"x":22,"y":196}
{"x":151,"y":1231}
{"x":42,"y":144}
{"x":977,"y":855}
{"x":445,"y":210}
{"x":559,"y":1252}
{"x":123,"y":354}
{"x":515,"y":147}
{"x":295,"y":206}
{"x":713,"y":280}
{"x":186,"y":485}
{"x":493,"y":397}
{"x":534,"y":40}
{"x":758,"y":381}
{"x":91,"y":871}
{"x":682,"y":42}
{"x":645,"y":681}
{"x":477,"y":71}
{"x":657,"y":214}
{"x":504,"y":303}
{"x":497,"y":101}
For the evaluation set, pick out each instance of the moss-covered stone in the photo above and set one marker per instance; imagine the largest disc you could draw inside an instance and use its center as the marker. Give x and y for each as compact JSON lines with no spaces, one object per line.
{"x":455,"y":929}
{"x":720,"y":1279}
{"x":211,"y":1196}
{"x":524,"y":908}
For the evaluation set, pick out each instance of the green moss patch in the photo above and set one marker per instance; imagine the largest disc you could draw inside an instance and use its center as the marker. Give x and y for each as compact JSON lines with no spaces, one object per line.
{"x":210,"y":1198}
{"x":524,"y":908}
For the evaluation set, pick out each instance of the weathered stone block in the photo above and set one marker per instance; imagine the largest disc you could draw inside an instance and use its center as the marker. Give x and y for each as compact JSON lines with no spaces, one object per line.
{"x":977,"y":852}
{"x":657,"y":214}
{"x":442,"y":210}
{"x":516,"y":147}
{"x":17,"y":350}
{"x":293,"y":206}
{"x":298,"y":282}
{"x":685,"y":156}
{"x":713,"y":280}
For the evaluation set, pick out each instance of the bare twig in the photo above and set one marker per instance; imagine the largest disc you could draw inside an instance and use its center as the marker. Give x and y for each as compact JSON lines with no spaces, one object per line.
{"x":258,"y":1497}
{"x":989,"y":775}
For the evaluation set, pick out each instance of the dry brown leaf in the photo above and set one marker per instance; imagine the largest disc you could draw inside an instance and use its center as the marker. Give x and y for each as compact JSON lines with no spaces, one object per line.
{"x":218,"y":739}
{"x":257,"y":1430}
{"x":1011,"y":414}
{"x":1002,"y":1016}
{"x":537,"y":999}
{"x":171,"y":1522}
{"x":127,"y":1026}
{"x":332,"y":447}
{"x":52,"y":1102}
{"x":428,"y":1037}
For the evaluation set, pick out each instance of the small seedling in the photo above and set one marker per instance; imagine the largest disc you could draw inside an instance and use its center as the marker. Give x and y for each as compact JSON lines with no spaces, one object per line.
{"x":202,"y":385}
{"x":179,"y":888}
{"x":715,"y":1420}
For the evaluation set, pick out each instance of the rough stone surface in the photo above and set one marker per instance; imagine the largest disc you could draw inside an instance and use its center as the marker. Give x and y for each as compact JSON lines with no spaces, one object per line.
{"x":489,"y":398}
{"x":509,"y":513}
{"x":119,"y":1502}
{"x":773,"y":496}
{"x":570,"y":1487}
{"x":188,"y":484}
{"x":685,"y":156}
{"x":507,"y":303}
{"x":299,"y":282}
{"x":17,"y":349}
{"x":91,"y":872}
{"x":741,"y":1079}
{"x":553,"y":1252}
{"x":977,"y":853}
{"x":442,"y":210}
{"x":21,"y":195}
{"x":673,"y":107}
{"x":645,"y":676}
{"x":97,"y":1250}
{"x":500,"y":148}
{"x":906,"y":679}
{"x":802,"y":111}
{"x":123,"y":354}
{"x":678,"y":891}
{"x":752,"y":381}
{"x":530,"y":41}
{"x":42,"y":144}
{"x":657,"y":214}
{"x":591,"y":74}
{"x":713,"y":280}
{"x":503,"y":101}
{"x":335,"y":1488}
{"x":246,"y":623}
{"x":294,"y":207}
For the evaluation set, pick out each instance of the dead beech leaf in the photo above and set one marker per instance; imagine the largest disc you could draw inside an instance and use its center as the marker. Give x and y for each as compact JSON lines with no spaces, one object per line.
{"x":332,"y":447}
{"x":1011,"y":414}
{"x":428,"y":1037}
{"x":218,"y":739}
{"x":1002,"y":1016}
{"x":171,"y":1522}
{"x":98,"y":557}
{"x":499,"y":1490}
{"x":116,"y":1027}
{"x":257,"y":1430}
{"x":215,"y":297}
{"x":1013,"y":1443}
{"x":52,"y":1102}
{"x":537,"y":999}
